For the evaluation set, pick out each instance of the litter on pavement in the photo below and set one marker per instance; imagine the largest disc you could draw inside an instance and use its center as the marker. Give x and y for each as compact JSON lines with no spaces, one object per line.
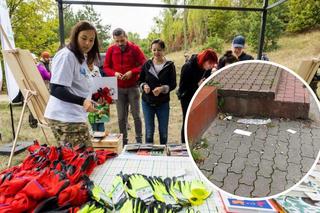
{"x":291,"y":131}
{"x":255,"y":121}
{"x":242,"y":132}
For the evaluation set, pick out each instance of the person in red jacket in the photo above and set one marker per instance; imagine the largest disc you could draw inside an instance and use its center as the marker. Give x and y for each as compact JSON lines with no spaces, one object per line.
{"x":124,"y":60}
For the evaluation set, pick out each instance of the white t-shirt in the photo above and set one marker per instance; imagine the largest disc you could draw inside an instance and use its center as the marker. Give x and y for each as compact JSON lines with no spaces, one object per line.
{"x":67,"y":71}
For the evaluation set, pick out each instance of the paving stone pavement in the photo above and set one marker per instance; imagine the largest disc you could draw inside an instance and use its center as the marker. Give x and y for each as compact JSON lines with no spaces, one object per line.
{"x":266,"y":163}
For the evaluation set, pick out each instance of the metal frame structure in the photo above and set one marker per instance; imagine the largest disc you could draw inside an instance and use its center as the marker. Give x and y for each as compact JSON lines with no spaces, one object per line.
{"x":263,"y":11}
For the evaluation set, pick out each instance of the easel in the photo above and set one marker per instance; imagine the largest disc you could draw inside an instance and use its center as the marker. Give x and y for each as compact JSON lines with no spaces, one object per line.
{"x":307,"y":70}
{"x":31,"y":85}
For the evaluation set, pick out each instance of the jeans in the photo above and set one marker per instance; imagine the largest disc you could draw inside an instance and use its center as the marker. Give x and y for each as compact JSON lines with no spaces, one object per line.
{"x":184,"y":105}
{"x":129,"y":96}
{"x":98,"y":127}
{"x":162,"y":113}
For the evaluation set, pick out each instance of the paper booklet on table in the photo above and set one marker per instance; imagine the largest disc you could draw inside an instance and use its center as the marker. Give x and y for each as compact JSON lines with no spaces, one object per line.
{"x":112,"y":137}
{"x":246,"y":206}
{"x":145,"y":149}
{"x":177,"y":147}
{"x":177,"y":150}
{"x":98,"y":134}
{"x":106,"y":137}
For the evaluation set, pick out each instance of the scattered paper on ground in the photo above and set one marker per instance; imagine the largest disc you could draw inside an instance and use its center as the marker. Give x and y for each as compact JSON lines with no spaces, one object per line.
{"x":228,"y":118}
{"x":291,"y":131}
{"x":254,"y":121}
{"x":242,"y":132}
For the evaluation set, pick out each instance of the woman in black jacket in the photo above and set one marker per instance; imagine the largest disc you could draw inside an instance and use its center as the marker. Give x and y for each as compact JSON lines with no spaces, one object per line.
{"x":157,"y":79}
{"x":193,"y":73}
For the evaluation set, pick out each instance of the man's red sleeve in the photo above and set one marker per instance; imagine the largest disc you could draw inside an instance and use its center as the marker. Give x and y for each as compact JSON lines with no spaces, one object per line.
{"x":140,"y":58}
{"x":108,"y":63}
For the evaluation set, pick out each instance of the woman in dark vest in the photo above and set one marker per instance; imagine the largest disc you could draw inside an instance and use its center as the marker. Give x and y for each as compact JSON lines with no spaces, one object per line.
{"x":193,"y":73}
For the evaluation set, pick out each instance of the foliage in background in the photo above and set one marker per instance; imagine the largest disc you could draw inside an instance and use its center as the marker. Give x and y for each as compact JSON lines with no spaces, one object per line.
{"x":214,"y":42}
{"x":87,"y":13}
{"x":144,"y":44}
{"x":274,"y":28}
{"x":213,"y":28}
{"x":35,"y":24}
{"x":303,"y":15}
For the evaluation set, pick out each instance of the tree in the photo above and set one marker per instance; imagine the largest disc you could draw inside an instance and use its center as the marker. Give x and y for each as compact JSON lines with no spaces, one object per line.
{"x":213,"y":28}
{"x":274,"y":28}
{"x":34,"y":24}
{"x":87,"y":13}
{"x":144,"y":44}
{"x":134,"y":37}
{"x":69,"y":20}
{"x":303,"y":15}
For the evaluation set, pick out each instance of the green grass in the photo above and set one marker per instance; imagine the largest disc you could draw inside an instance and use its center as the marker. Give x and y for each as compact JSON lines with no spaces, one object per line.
{"x":204,"y":143}
{"x":26,"y":133}
{"x":270,"y":125}
{"x":196,"y":155}
{"x":295,"y":48}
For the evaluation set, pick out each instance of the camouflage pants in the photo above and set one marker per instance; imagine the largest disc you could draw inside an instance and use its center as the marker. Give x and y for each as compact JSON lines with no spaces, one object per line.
{"x":74,"y":133}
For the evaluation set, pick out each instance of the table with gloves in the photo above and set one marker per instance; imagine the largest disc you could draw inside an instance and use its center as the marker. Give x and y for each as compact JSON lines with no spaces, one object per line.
{"x":79,"y":179}
{"x":154,"y":184}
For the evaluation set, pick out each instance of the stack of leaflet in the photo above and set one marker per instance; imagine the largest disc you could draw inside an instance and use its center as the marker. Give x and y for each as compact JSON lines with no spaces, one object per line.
{"x":145,"y":149}
{"x":177,"y":150}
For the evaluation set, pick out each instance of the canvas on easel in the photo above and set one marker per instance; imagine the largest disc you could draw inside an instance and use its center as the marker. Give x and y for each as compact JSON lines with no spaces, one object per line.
{"x":31,"y":85}
{"x":28,"y":77}
{"x":308,"y":69}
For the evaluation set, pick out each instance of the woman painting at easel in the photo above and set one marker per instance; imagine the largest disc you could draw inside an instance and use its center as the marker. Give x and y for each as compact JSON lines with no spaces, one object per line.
{"x":193,"y":73}
{"x":71,"y":86}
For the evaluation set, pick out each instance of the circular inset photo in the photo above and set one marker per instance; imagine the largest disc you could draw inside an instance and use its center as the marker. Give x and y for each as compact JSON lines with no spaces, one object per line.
{"x":253,"y":129}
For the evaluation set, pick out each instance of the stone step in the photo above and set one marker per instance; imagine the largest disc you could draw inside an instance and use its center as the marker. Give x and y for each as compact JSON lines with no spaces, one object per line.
{"x":263,"y":90}
{"x":252,"y":80}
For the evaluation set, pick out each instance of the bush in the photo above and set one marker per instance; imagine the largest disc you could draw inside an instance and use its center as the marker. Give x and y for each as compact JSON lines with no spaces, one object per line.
{"x":303,"y":15}
{"x":215,"y":43}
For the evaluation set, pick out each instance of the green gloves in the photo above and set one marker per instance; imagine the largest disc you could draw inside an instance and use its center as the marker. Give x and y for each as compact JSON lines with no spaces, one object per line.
{"x":139,"y":187}
{"x":92,"y":207}
{"x":199,"y":190}
{"x":137,"y":193}
{"x":99,"y":195}
{"x":186,"y":193}
{"x":133,"y":206}
{"x":117,"y":192}
{"x":160,"y":192}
